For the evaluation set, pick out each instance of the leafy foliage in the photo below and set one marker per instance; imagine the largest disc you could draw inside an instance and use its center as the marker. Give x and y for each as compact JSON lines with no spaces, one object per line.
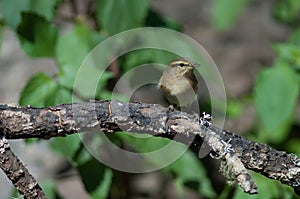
{"x":35,"y":24}
{"x":72,"y":48}
{"x":119,"y":15}
{"x":37,"y":36}
{"x":40,"y":37}
{"x":67,"y":147}
{"x":11,"y":10}
{"x":277,"y":90}
{"x":38,"y":91}
{"x":286,"y":11}
{"x":97,"y":182}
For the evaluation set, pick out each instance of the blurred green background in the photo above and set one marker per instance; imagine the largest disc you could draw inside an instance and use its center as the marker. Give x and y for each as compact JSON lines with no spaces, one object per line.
{"x":255,"y":44}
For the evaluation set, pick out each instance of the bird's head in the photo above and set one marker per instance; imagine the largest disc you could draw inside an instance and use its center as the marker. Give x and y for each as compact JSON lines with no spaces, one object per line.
{"x":182,"y":65}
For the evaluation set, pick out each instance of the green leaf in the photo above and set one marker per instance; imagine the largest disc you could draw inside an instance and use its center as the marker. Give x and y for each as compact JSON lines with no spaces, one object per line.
{"x":49,"y":188}
{"x":11,"y":10}
{"x":188,"y":168}
{"x":179,"y":187}
{"x":96,"y":178}
{"x":44,"y":8}
{"x":143,"y":143}
{"x":118,"y":15}
{"x":82,"y":157}
{"x":106,"y":75}
{"x":194,"y":172}
{"x":37,"y":36}
{"x":268,"y":189}
{"x":234,"y":108}
{"x":62,"y":96}
{"x":225,"y":13}
{"x":66,"y":146}
{"x":38,"y":89}
{"x":154,"y":19}
{"x":72,"y":49}
{"x":102,"y":190}
{"x":276,"y":92}
{"x":288,"y":53}
{"x":294,"y":37}
{"x":293,"y":145}
{"x":286,"y":11}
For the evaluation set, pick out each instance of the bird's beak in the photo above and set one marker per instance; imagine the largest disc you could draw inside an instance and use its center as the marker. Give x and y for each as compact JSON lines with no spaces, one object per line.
{"x":195,"y":65}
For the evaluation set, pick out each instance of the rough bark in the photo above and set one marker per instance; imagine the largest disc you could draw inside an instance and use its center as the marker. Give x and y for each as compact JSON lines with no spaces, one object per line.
{"x":237,"y":152}
{"x":16,"y":171}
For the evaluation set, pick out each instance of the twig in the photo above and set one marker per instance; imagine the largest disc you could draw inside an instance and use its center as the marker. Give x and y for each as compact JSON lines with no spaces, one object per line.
{"x":17,"y":172}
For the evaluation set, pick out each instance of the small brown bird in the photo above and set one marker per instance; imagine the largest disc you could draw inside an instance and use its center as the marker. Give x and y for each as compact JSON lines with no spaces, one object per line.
{"x":178,"y":82}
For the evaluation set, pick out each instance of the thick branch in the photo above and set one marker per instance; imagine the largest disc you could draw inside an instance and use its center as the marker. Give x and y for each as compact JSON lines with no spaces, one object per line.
{"x":111,"y":116}
{"x":17,"y":172}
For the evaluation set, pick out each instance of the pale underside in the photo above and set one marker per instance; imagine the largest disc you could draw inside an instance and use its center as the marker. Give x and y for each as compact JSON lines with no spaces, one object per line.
{"x":180,"y":92}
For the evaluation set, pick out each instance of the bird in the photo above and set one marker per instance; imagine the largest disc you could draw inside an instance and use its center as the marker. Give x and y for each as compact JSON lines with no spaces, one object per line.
{"x":178,"y":82}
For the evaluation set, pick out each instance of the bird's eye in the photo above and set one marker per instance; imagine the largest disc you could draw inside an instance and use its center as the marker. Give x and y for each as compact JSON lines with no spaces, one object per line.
{"x":181,"y":64}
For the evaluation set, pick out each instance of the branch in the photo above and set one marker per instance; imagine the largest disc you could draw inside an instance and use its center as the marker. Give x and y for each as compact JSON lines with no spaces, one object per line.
{"x":237,"y":152}
{"x":17,"y":172}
